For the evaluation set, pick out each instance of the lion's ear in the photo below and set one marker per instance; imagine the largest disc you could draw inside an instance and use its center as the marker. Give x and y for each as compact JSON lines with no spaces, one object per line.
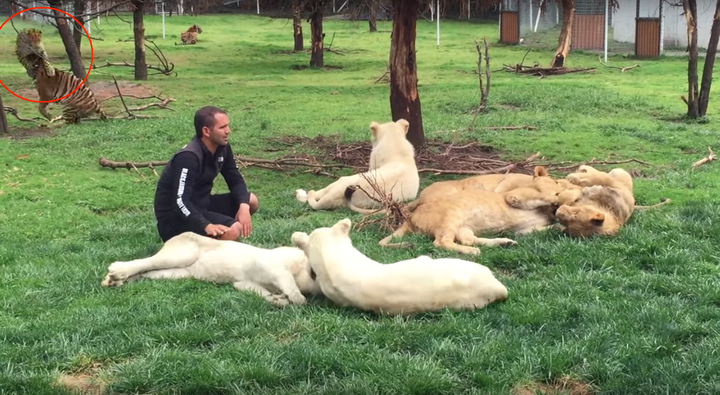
{"x":342,"y":227}
{"x":374,"y":126}
{"x":404,"y":123}
{"x":300,"y":240}
{"x":541,"y":171}
{"x":597,"y":219}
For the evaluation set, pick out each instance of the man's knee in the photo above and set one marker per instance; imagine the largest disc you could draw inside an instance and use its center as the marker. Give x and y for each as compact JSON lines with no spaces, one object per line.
{"x":254,"y":204}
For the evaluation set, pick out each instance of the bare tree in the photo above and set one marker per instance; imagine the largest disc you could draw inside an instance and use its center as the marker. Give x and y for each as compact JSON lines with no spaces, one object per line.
{"x":404,"y":97}
{"x":139,"y":36}
{"x":66,"y":35}
{"x":697,"y":102}
{"x":316,"y":33}
{"x":78,"y":11}
{"x":563,"y":48}
{"x":372,"y":14}
{"x":297,"y":24}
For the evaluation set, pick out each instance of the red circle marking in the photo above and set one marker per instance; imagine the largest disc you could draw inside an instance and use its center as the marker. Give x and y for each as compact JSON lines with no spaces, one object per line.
{"x":91,"y":55}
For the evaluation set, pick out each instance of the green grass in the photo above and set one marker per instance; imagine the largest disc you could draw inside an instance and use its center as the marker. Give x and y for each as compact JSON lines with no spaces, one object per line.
{"x":637,"y":313}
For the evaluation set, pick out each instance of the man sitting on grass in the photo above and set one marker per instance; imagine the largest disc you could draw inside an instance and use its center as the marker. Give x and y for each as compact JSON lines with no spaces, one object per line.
{"x":183,"y":201}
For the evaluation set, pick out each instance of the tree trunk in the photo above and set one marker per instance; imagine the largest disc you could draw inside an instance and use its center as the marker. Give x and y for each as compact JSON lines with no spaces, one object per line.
{"x":690,"y":7}
{"x":297,"y":25}
{"x":564,"y":41}
{"x":71,"y":49}
{"x":709,"y":62}
{"x":78,"y":9}
{"x":3,"y":119}
{"x":404,"y":98}
{"x":372,"y":17}
{"x":139,"y":35}
{"x":316,"y":31}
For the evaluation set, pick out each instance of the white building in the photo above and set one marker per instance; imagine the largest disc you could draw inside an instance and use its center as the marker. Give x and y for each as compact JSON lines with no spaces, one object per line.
{"x":673,"y":28}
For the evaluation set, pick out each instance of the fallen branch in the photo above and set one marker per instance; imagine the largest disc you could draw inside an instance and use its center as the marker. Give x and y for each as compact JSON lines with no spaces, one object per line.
{"x":622,"y":69}
{"x":544,"y":71}
{"x":12,"y":111}
{"x":711,"y":157}
{"x":503,"y":169}
{"x":524,"y":127}
{"x":593,"y":161}
{"x":122,"y":99}
{"x":163,"y":104}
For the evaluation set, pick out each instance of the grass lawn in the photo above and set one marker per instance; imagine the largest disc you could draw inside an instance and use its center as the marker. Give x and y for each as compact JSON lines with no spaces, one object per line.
{"x":638,"y":313}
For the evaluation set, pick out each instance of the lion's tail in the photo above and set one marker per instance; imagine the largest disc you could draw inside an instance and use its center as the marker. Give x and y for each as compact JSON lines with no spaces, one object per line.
{"x":348,"y":203}
{"x":663,"y":202}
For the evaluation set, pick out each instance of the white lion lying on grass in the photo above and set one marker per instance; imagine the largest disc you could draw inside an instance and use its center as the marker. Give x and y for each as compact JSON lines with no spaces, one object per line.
{"x":349,"y":278}
{"x":280,"y":275}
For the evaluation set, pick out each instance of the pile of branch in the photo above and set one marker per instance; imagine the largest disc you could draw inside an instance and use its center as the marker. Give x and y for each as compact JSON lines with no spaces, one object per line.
{"x":438,"y":158}
{"x":396,"y":213}
{"x":544,"y":71}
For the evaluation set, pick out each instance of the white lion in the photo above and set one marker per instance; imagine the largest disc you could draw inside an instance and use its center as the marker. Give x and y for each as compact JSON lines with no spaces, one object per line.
{"x":392,"y":167}
{"x":349,"y":278}
{"x":280,"y":275}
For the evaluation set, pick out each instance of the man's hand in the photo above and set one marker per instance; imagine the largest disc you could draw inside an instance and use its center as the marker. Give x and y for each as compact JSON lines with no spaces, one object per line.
{"x":243,"y":218}
{"x":216,"y":230}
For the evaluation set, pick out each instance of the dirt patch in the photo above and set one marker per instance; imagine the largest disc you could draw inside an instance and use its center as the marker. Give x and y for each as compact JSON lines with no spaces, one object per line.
{"x":81,"y":383}
{"x":562,"y":386}
{"x":102,"y":90}
{"x":26,"y":133}
{"x":106,"y":89}
{"x":439,"y":155}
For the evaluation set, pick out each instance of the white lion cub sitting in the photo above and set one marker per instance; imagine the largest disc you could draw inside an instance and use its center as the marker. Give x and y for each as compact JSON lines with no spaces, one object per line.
{"x":392,"y":166}
{"x":280,"y":275}
{"x":349,"y":278}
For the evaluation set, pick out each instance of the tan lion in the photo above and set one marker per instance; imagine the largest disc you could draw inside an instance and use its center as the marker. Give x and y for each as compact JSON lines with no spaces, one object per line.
{"x":459,"y":216}
{"x":392,"y":166}
{"x":600,"y":204}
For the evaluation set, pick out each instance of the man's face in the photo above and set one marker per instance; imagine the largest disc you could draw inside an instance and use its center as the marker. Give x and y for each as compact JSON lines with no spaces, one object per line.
{"x":219,"y":132}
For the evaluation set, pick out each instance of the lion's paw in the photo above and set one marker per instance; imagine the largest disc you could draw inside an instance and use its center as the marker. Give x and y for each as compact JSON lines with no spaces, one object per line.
{"x":584,"y":169}
{"x":297,"y":299}
{"x":513,"y":201}
{"x":505,"y":242}
{"x":278,"y":300}
{"x":110,"y":282}
{"x":301,"y":195}
{"x":592,"y":190}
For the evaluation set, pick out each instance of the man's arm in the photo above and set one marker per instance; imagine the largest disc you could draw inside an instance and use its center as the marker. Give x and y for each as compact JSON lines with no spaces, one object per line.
{"x":233,"y":178}
{"x":186,"y":167}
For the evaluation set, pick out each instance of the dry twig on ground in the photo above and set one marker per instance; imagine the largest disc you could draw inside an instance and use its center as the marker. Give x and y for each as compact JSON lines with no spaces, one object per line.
{"x":622,"y":69}
{"x":711,"y":157}
{"x":14,"y":112}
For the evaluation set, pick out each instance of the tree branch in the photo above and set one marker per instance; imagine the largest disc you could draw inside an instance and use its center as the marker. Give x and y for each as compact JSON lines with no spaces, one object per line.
{"x":83,"y":16}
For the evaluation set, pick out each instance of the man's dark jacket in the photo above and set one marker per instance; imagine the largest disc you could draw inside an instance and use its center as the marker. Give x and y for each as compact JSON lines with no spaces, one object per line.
{"x":183,"y":190}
